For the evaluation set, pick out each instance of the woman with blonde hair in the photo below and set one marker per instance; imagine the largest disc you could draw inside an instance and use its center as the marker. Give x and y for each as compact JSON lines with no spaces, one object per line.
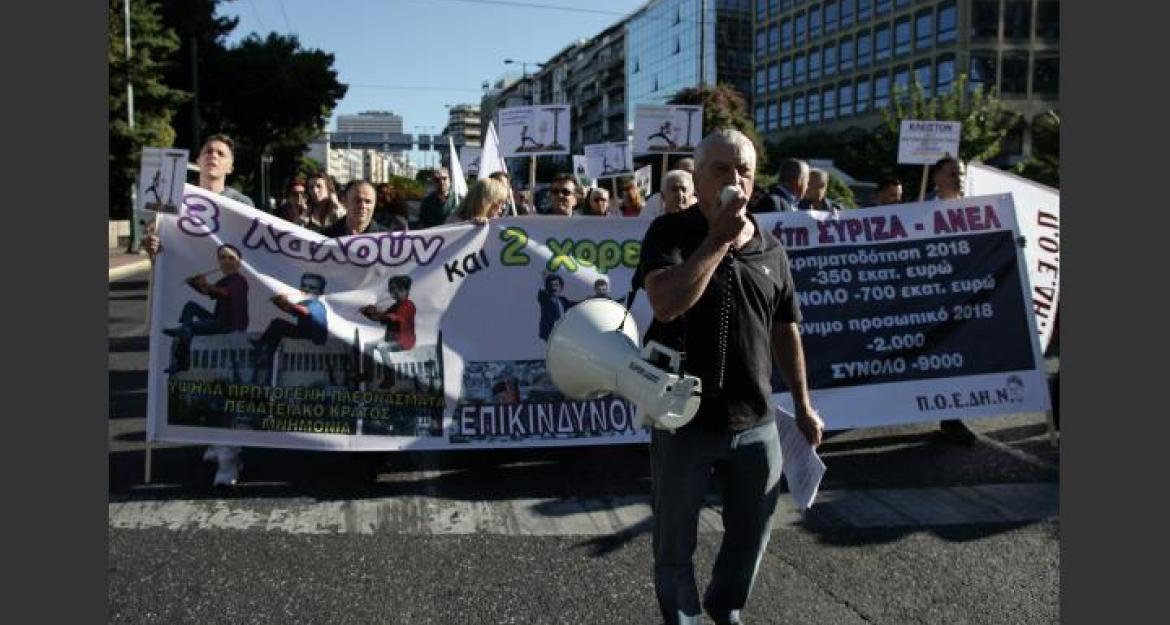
{"x":484,"y":201}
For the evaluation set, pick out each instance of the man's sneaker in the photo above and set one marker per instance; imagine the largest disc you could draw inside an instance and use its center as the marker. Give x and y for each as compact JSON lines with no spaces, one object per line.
{"x":957,"y":432}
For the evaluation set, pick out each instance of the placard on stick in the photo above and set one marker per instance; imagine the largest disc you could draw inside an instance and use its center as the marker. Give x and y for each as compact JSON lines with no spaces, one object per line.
{"x":925,"y":142}
{"x":667,"y":129}
{"x":161,"y":174}
{"x":534,"y":130}
{"x":606,"y":160}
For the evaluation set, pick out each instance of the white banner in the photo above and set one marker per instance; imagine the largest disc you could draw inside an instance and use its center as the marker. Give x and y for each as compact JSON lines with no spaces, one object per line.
{"x":436,"y":338}
{"x":606,"y":160}
{"x":667,"y":129}
{"x":1038,"y":207}
{"x":925,"y":142}
{"x":534,"y":130}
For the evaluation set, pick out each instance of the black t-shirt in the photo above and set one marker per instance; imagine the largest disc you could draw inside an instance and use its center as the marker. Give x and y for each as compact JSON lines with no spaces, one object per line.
{"x":732,"y":336}
{"x":339,"y":229}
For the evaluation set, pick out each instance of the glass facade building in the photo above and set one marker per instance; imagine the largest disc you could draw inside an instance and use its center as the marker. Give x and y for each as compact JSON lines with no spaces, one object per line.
{"x":837,"y":63}
{"x":663,"y":48}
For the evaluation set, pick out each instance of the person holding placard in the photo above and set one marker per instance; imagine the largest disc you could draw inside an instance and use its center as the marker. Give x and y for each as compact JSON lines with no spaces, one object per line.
{"x":720,"y":286}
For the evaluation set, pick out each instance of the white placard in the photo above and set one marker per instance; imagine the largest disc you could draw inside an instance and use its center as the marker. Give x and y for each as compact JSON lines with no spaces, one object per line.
{"x":643,"y":179}
{"x":606,"y":160}
{"x":535,"y":130}
{"x":580,"y":172}
{"x":161,"y":175}
{"x":924,"y":142}
{"x":667,"y":129}
{"x":469,"y":157}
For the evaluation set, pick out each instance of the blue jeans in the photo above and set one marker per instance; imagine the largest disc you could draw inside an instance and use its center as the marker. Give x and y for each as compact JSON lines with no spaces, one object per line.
{"x":748,"y":467}
{"x":198,"y":321}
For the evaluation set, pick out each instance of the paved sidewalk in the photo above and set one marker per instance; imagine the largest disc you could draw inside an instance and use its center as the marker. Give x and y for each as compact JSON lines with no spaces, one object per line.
{"x":123,"y":264}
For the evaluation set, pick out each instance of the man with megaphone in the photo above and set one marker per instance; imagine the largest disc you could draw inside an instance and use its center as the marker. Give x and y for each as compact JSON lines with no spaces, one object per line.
{"x":722,"y":293}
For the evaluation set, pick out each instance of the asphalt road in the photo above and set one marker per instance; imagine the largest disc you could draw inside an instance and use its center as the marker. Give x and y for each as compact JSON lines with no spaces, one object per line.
{"x":909,"y":528}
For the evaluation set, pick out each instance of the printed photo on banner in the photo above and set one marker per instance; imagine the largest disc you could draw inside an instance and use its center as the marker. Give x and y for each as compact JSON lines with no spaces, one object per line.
{"x":534,"y":130}
{"x":606,"y":160}
{"x":667,"y":129}
{"x":469,"y":158}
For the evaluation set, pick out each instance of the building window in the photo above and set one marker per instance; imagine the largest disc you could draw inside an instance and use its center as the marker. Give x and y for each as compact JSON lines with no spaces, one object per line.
{"x":881,"y":91}
{"x":798,"y":117}
{"x":678,"y":45}
{"x":655,"y":85}
{"x":982,"y":71}
{"x":800,"y":25}
{"x":1046,"y":75}
{"x":881,"y":42}
{"x":922,"y":77}
{"x":830,"y":18}
{"x":773,"y":7}
{"x":814,"y":107}
{"x":848,"y":10}
{"x":845,"y":55}
{"x":1015,"y":74}
{"x":946,"y":74}
{"x":773,"y":109}
{"x":902,"y":36}
{"x":773,"y":78}
{"x":862,"y":102}
{"x":948,"y":20}
{"x":800,"y":70}
{"x":984,"y":20}
{"x":845,"y":99}
{"x":924,"y":30}
{"x":637,"y":66}
{"x":773,"y":40}
{"x":786,"y":4}
{"x":786,"y":35}
{"x":1017,"y":20}
{"x":761,"y":43}
{"x":760,"y":84}
{"x":760,"y":112}
{"x":884,"y":6}
{"x":786,"y":73}
{"x":864,"y":11}
{"x":864,"y":49}
{"x":814,"y":23}
{"x":830,"y":60}
{"x":785,"y":113}
{"x":901,"y":3}
{"x":829,"y":103}
{"x":761,"y":13}
{"x":814,"y":65}
{"x":1048,"y":20}
{"x":677,"y":15}
{"x":902,"y":83}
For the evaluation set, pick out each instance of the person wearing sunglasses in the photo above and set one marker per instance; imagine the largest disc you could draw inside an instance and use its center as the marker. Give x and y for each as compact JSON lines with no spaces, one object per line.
{"x":597,"y":203}
{"x":562,"y":195}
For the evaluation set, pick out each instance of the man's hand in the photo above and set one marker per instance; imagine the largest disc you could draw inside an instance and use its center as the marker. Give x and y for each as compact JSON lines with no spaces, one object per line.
{"x":369,"y":310}
{"x":730,"y":221}
{"x":198,"y":281}
{"x":151,"y":244}
{"x":810,"y":425}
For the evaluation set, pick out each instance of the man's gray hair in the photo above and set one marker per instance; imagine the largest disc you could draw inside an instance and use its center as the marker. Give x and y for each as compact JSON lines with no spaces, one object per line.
{"x":792,"y":170}
{"x":674,"y":175}
{"x":725,"y":136}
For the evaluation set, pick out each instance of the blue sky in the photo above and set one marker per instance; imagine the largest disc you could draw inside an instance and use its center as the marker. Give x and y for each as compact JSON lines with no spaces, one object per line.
{"x":414,"y":56}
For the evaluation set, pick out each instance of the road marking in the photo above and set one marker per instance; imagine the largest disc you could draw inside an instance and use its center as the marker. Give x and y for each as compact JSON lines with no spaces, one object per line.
{"x":430,"y":515}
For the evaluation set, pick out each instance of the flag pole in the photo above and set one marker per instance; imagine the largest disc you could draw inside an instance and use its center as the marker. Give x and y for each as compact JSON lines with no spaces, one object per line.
{"x":922,"y":186}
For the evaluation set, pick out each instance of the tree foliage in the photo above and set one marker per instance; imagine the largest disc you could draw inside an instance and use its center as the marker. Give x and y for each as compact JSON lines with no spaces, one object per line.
{"x":1044,"y":164}
{"x":724,"y":107}
{"x":152,"y":48}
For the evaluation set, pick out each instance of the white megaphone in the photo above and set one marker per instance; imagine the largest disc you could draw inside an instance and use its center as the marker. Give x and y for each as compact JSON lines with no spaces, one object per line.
{"x":593,"y":351}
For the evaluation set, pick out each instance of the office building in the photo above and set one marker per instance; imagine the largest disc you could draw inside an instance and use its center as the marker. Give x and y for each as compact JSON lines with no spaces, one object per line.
{"x":832,"y":64}
{"x":370,"y":121}
{"x":463,"y":125}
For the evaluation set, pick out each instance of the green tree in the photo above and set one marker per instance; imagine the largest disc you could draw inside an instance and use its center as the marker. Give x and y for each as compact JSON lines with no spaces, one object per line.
{"x":1044,"y":164}
{"x":273,"y":97}
{"x":840,"y":192}
{"x":152,"y":47}
{"x":202,"y":39}
{"x":724,"y":107}
{"x":985,"y":122}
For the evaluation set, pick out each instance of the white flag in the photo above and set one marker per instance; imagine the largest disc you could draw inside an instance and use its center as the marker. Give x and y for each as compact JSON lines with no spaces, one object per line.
{"x":458,"y":180}
{"x":490,"y":160}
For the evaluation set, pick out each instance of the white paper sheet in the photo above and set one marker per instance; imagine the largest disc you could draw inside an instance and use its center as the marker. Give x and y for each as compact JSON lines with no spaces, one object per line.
{"x":802,"y":466}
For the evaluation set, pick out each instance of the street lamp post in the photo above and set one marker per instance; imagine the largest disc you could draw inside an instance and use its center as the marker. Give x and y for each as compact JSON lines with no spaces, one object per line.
{"x":524,"y":74}
{"x":133,"y":245}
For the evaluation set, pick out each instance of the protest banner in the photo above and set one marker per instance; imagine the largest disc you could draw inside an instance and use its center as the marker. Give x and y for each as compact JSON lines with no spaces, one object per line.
{"x":469,"y":156}
{"x":435,"y":338}
{"x":1038,"y":208}
{"x":534,"y":130}
{"x":606,"y":160}
{"x":667,"y":129}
